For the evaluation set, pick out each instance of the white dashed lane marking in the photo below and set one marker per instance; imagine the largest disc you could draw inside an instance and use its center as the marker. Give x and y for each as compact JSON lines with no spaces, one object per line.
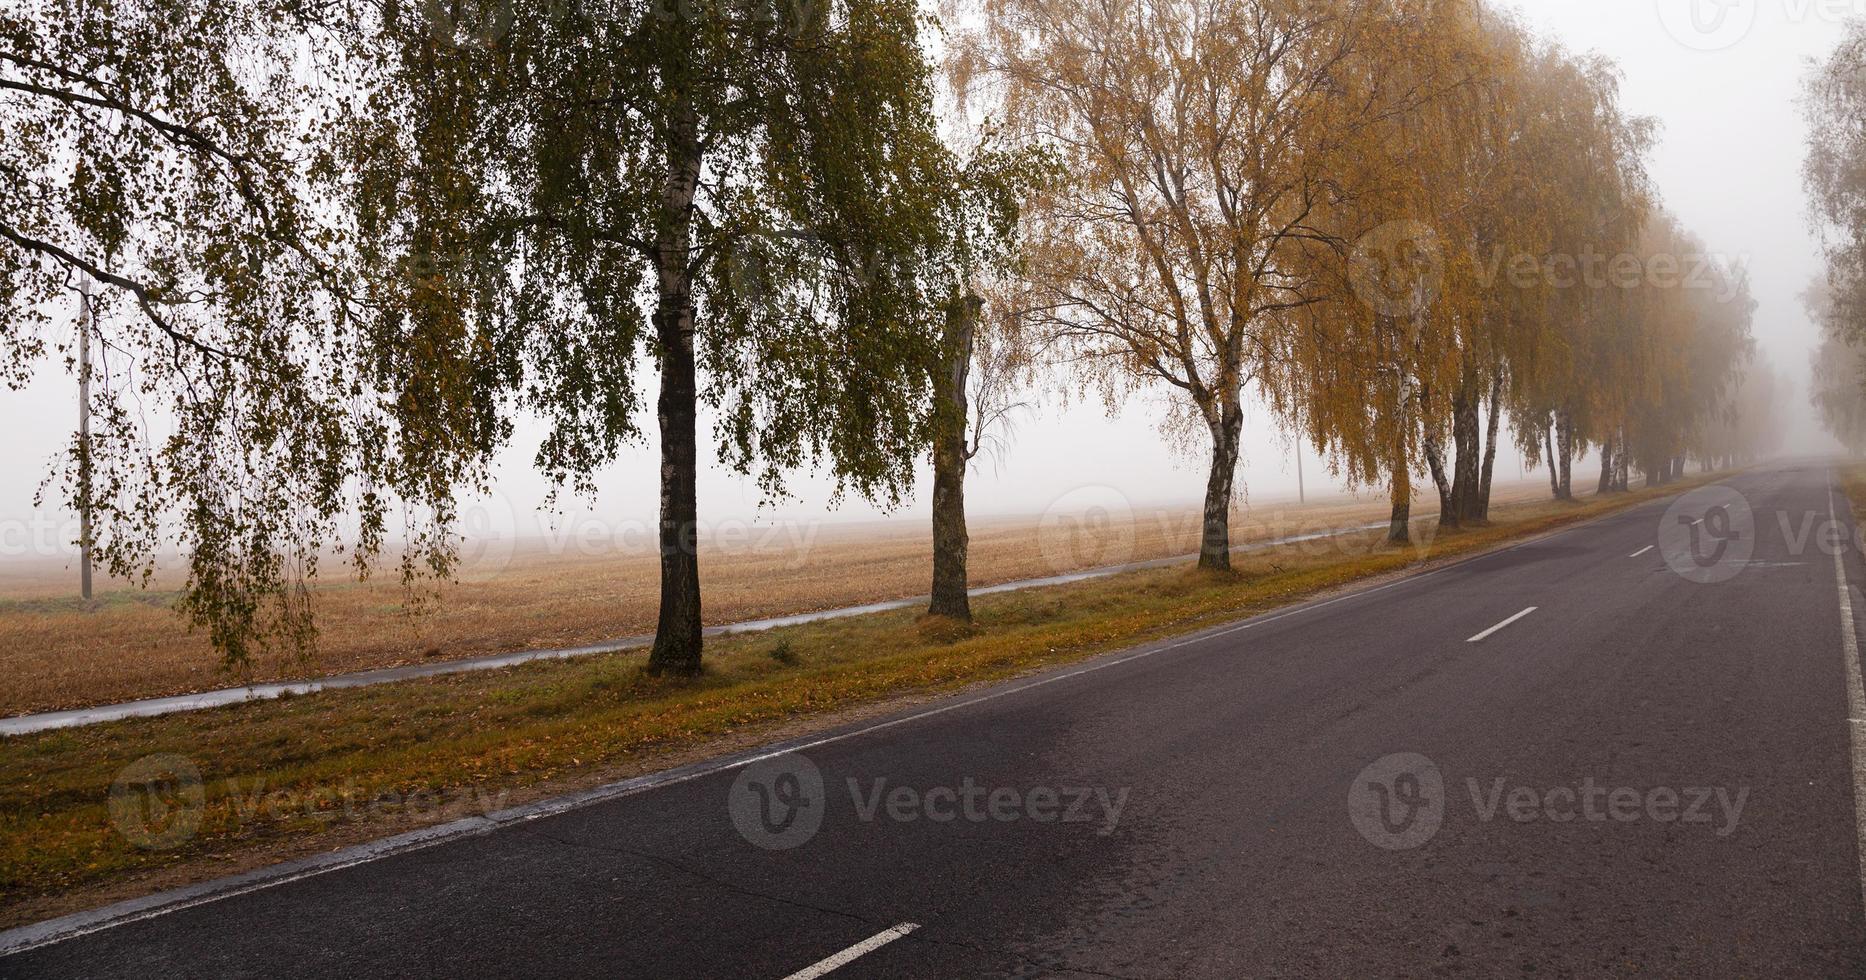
{"x":854,"y":952}
{"x":1481,"y":636}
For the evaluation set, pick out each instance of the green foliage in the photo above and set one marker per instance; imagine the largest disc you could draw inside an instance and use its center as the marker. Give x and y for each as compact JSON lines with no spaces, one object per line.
{"x":815,"y":222}
{"x":347,"y":246}
{"x":182,"y":155}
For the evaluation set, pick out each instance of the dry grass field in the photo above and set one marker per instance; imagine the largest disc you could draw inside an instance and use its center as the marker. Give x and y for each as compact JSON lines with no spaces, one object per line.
{"x":582,"y":587}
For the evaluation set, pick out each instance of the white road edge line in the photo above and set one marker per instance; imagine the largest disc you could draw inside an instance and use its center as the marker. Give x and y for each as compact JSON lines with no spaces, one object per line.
{"x":76,"y":925}
{"x":1479,"y":638}
{"x":1856,"y":696}
{"x":849,"y":955}
{"x":1642,"y":551}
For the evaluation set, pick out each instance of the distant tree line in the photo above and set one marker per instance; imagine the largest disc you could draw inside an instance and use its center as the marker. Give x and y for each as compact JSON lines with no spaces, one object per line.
{"x":344,"y":246}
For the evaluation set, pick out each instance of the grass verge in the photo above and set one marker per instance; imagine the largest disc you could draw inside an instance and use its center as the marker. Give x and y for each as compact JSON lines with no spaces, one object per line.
{"x":1853,"y":482}
{"x":289,"y":777}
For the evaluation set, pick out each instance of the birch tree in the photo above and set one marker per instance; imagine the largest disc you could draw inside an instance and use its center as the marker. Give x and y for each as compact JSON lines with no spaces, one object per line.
{"x":1198,"y":139}
{"x":1834,"y":103}
{"x":982,"y":354}
{"x":179,"y":156}
{"x":747,"y":193}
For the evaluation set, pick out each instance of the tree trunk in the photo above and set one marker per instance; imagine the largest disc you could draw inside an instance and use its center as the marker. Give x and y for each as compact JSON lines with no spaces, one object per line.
{"x":677,"y":635}
{"x":1490,"y":450}
{"x":1215,"y":541}
{"x":1434,"y":452}
{"x":1399,"y":524}
{"x":1548,"y":453}
{"x":1435,"y":462}
{"x":1622,"y":463}
{"x":950,"y":422}
{"x":1461,"y":505}
{"x":1606,"y":466}
{"x":1564,"y":444}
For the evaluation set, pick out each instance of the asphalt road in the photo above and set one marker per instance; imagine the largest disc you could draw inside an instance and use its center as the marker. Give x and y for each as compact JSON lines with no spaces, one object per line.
{"x":1651,"y":773}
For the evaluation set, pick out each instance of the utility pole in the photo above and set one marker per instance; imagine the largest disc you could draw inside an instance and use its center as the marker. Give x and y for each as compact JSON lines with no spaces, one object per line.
{"x":1302,"y":495}
{"x":1295,"y":445}
{"x":84,"y":438}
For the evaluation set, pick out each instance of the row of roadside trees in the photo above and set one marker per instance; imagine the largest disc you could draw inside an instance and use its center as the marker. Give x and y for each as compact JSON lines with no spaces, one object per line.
{"x":1400,"y":221}
{"x":345,"y":246}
